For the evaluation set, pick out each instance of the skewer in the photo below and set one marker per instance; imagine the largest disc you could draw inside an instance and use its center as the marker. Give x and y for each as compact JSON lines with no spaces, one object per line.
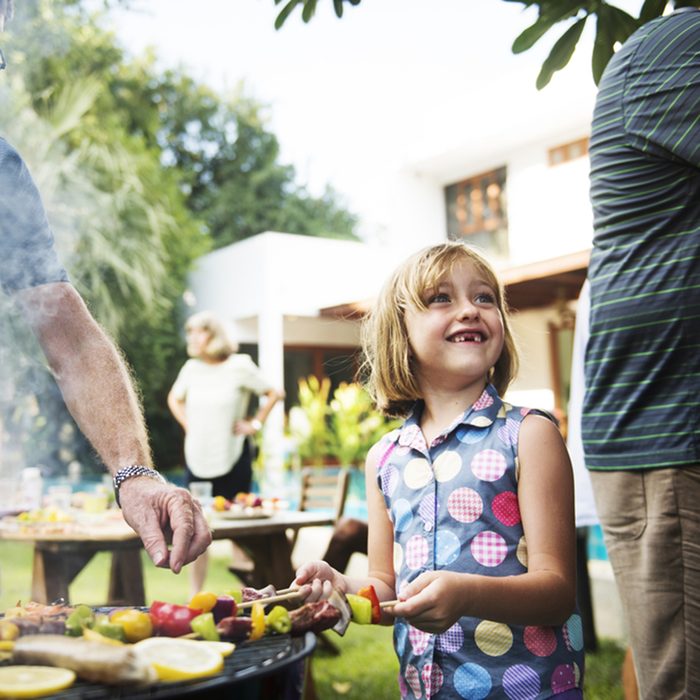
{"x":388,"y":603}
{"x":282,"y":591}
{"x":270,"y":599}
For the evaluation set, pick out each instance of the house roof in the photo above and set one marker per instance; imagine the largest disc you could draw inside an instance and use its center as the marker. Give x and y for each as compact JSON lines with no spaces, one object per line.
{"x":530,"y":286}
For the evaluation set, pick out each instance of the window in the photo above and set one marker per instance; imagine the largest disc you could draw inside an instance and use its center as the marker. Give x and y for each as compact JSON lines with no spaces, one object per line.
{"x":476,"y":212}
{"x":568,"y":151}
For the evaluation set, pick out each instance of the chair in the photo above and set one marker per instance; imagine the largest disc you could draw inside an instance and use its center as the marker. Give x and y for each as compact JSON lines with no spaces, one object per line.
{"x":319,"y":490}
{"x":322,"y":491}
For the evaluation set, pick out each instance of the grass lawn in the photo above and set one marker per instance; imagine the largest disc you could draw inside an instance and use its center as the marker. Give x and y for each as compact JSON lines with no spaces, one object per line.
{"x":365,"y":670}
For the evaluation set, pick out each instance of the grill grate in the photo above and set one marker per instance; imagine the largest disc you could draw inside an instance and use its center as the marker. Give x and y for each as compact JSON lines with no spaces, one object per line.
{"x":249,"y":660}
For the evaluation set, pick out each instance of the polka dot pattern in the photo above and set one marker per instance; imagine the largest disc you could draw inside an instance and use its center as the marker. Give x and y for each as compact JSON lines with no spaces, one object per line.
{"x":447,"y":547}
{"x":541,"y":641}
{"x":401,"y":514}
{"x":506,"y":508}
{"x":573,"y":633}
{"x":465,"y":505}
{"x":521,"y":552}
{"x":489,"y":548}
{"x":451,"y":640}
{"x":433,"y":679}
{"x":508,"y":433}
{"x":419,"y":640}
{"x":472,"y":682}
{"x":489,"y":465}
{"x":417,"y":473}
{"x":447,"y":466}
{"x":416,"y":552}
{"x":483,"y":402}
{"x":426,"y":511}
{"x":493,"y":638}
{"x":521,"y":682}
{"x":413,"y":681}
{"x":563,"y":678}
{"x":455,"y":508}
{"x":389,"y":479}
{"x":470,"y":434}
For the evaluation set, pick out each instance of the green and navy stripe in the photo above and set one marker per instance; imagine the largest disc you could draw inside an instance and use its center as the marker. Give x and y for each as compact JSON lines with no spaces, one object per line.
{"x":642,"y":406}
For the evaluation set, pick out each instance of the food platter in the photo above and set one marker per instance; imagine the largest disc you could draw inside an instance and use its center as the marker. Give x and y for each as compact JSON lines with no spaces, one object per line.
{"x":250,"y":660}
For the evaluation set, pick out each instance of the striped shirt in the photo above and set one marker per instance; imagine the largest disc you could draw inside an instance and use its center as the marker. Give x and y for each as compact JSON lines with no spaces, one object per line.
{"x":642,"y":404}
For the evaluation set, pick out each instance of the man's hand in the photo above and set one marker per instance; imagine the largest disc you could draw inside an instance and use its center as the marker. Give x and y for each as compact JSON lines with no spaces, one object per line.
{"x":162,"y":514}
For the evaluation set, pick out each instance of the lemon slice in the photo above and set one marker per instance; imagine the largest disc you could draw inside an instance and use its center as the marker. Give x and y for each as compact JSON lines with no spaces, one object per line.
{"x":180,"y":659}
{"x":224,"y":648}
{"x":33,"y":681}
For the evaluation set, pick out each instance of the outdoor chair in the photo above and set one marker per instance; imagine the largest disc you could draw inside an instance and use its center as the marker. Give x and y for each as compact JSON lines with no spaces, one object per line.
{"x":319,"y":490}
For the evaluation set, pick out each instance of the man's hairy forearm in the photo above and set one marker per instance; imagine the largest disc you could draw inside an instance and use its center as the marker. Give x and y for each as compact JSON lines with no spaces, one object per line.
{"x":93,"y":377}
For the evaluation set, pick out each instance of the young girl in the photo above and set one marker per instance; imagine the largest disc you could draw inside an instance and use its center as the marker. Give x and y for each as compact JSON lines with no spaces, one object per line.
{"x":470,"y":502}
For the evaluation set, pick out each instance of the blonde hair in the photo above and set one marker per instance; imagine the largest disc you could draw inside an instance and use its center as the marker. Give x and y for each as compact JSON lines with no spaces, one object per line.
{"x":220,"y":344}
{"x":387,"y":370}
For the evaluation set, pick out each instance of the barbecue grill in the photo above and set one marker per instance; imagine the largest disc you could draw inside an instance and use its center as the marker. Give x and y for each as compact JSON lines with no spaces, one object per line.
{"x":250,"y":660}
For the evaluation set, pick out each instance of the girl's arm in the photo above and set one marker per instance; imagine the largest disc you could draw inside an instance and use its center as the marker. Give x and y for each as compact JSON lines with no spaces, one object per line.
{"x":321,"y":578}
{"x":546,"y":593}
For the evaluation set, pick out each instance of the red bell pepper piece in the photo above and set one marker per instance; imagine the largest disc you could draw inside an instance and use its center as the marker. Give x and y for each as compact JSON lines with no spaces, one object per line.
{"x":369,"y":593}
{"x":170,"y":620}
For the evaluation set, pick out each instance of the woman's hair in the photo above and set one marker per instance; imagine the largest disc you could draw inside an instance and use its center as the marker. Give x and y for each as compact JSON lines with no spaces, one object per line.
{"x":387,"y":370}
{"x":220,"y":344}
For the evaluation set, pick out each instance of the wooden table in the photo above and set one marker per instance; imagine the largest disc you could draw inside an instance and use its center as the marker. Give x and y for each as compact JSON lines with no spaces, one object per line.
{"x":60,"y":556}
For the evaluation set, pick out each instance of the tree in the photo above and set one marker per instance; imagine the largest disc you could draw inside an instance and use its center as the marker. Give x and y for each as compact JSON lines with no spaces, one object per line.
{"x":613,"y":25}
{"x":230,"y":166}
{"x":141,"y":172}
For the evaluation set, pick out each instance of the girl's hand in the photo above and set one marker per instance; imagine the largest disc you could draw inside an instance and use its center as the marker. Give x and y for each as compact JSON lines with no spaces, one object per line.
{"x":433,"y":602}
{"x":316,"y":580}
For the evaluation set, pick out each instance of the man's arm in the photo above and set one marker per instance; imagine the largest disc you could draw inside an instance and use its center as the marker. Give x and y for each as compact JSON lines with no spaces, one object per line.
{"x":99,"y":393}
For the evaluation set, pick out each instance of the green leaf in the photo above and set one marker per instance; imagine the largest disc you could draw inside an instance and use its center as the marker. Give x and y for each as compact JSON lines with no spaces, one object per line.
{"x":285,"y":12}
{"x":531,"y":35}
{"x":354,"y":2}
{"x":621,"y":23}
{"x":549,"y":15}
{"x":561,"y":53}
{"x":651,"y":9}
{"x":309,"y":9}
{"x":602,"y":47}
{"x":338,"y":6}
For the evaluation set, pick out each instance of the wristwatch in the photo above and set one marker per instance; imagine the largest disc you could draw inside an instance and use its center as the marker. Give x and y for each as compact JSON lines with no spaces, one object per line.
{"x":256,"y":423}
{"x":133,"y":470}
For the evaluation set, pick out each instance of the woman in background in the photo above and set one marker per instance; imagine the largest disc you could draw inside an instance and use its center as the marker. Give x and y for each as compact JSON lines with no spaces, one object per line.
{"x":210,"y":400}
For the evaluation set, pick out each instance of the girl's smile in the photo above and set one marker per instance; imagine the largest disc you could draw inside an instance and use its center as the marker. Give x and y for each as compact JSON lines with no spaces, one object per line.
{"x":458,"y":338}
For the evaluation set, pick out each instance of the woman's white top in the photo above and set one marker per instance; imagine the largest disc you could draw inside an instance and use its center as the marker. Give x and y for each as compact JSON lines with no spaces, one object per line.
{"x":216,"y":396}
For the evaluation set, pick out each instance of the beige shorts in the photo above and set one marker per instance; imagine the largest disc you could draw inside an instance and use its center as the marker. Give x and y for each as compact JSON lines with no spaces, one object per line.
{"x":651,"y":522}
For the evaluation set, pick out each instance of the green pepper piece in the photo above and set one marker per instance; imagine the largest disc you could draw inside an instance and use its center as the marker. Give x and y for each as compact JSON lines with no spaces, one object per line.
{"x":81,"y":617}
{"x":205,"y":627}
{"x":236,"y":594}
{"x":278,"y":620}
{"x":113,"y":630}
{"x":361,"y":609}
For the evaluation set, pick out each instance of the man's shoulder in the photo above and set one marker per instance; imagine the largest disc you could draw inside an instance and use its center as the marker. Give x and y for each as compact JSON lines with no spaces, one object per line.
{"x":10,"y":160}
